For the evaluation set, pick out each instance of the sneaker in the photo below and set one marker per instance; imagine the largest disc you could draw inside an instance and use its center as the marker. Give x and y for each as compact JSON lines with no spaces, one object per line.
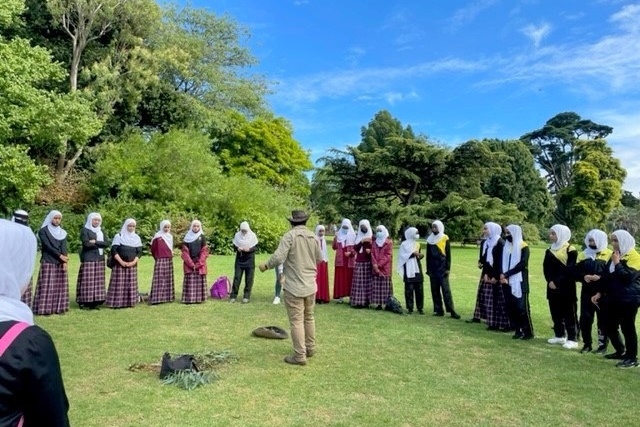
{"x":586,"y":349}
{"x":615,"y":356}
{"x":245,"y":300}
{"x":601,"y":350}
{"x":629,"y":363}
{"x":276,"y":300}
{"x":557,"y":340}
{"x":570,"y":345}
{"x":232,"y":300}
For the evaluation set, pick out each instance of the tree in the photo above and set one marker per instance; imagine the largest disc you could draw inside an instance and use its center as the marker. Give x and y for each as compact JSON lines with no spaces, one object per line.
{"x":20,"y":178}
{"x":596,"y":186}
{"x":380,"y":129}
{"x":554,"y":145}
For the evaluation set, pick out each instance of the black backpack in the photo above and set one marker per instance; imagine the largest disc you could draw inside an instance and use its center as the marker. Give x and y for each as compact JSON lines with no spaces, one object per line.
{"x":393,"y":305}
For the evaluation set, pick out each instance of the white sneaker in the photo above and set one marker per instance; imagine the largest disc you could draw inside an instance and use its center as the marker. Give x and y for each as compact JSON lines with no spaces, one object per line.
{"x":276,"y":300}
{"x":570,"y":345}
{"x":557,"y":340}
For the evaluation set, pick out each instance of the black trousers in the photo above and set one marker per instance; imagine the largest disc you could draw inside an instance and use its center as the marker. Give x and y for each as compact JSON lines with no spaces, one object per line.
{"x":587,"y":313}
{"x":624,"y":315}
{"x":520,"y":314}
{"x":412,"y":289}
{"x":440,"y":289}
{"x":248,"y":281}
{"x":563,"y":314}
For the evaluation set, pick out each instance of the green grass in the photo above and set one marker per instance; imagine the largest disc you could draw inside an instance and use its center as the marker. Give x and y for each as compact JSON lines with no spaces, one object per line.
{"x":371,"y":368}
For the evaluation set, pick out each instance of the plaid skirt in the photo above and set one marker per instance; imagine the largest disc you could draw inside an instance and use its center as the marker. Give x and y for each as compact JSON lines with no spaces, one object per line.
{"x":194,"y":288}
{"x":381,"y":289}
{"x":162,"y":284}
{"x":90,"y":288}
{"x":361,"y":286}
{"x":484,"y":300}
{"x":497,"y":314}
{"x":52,"y":290}
{"x":342,"y":282}
{"x":27,"y":296}
{"x":322,"y":283}
{"x":123,"y":287}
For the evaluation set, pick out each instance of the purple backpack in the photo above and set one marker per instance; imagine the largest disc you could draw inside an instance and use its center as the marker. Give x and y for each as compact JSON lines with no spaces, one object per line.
{"x":221,"y":288}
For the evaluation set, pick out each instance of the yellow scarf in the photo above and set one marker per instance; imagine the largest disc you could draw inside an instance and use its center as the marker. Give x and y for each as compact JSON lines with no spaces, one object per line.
{"x":633,"y":259}
{"x":563,"y":253}
{"x":442,"y":245}
{"x":603,"y":255}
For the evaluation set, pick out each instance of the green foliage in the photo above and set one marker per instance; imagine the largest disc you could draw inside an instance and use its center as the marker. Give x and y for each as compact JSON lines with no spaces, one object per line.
{"x":9,"y":10}
{"x":20,"y":178}
{"x":189,"y":379}
{"x":380,"y":129}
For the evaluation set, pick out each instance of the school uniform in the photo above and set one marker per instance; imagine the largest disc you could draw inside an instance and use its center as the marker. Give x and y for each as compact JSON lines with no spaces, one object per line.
{"x":90,"y":288}
{"x":382,"y":261}
{"x":410,"y":269}
{"x":497,"y":303}
{"x":194,"y":256}
{"x":515,"y":268}
{"x":438,"y":261}
{"x":123,"y":283}
{"x":345,"y":261}
{"x":558,"y":267}
{"x":362,"y":273}
{"x":52,"y":287}
{"x":322,"y":275}
{"x":163,"y":281}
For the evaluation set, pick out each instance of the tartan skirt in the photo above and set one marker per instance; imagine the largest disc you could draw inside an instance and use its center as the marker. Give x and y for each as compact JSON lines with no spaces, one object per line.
{"x":361,"y":286}
{"x":322,"y":283}
{"x":484,"y":300}
{"x":91,"y":283}
{"x":342,"y":282}
{"x":52,"y":290}
{"x":497,"y":314}
{"x":163,"y":283}
{"x":194,"y":288}
{"x":381,"y":289}
{"x":123,"y":287}
{"x":27,"y":296}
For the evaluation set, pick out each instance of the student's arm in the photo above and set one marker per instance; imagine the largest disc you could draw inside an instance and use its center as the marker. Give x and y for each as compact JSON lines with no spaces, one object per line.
{"x":522,"y":265}
{"x":447,"y":252}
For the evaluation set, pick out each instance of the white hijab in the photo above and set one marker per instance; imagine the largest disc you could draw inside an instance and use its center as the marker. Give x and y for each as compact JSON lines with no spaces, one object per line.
{"x":98,"y":230}
{"x":56,"y":231}
{"x":248,"y":240}
{"x":383,"y":238}
{"x":511,"y":256}
{"x":600,"y":238}
{"x":626,"y":242}
{"x":17,"y":259}
{"x":564,"y":235}
{"x":495,"y":230}
{"x":433,"y":239}
{"x":368,"y":234}
{"x":407,"y":248}
{"x":346,"y":237}
{"x":167,"y":237}
{"x":191,"y":236}
{"x":322,"y":242}
{"x":126,"y":238}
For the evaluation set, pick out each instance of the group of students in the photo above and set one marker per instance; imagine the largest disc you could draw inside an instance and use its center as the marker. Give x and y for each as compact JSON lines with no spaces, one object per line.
{"x":610,"y":288}
{"x":364,"y":265}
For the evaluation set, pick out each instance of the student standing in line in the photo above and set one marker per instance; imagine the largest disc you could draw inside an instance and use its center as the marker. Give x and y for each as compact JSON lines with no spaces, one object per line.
{"x":438,"y":267}
{"x":52,"y":288}
{"x":163,"y":282}
{"x":322,"y":278}
{"x":559,"y":272}
{"x":123,"y":283}
{"x":361,"y":286}
{"x":382,"y":265}
{"x":90,"y":290}
{"x":484,"y":300}
{"x":194,"y":256}
{"x":343,"y":243}
{"x":246,"y":244}
{"x":410,"y":269}
{"x":22,"y":217}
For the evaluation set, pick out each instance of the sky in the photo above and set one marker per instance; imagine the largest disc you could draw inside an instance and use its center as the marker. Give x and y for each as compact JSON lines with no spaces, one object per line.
{"x":454,"y":70}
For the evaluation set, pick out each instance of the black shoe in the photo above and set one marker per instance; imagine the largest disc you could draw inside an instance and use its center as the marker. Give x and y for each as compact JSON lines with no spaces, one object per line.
{"x":492,"y":328}
{"x":474,"y":320}
{"x":421,"y":312}
{"x":586,"y":349}
{"x":455,"y":315}
{"x":615,"y":356}
{"x":527,"y":337}
{"x":628,"y":363}
{"x":601,"y":350}
{"x":409,"y":312}
{"x":517,"y":335}
{"x":438,"y":314}
{"x":379,"y":307}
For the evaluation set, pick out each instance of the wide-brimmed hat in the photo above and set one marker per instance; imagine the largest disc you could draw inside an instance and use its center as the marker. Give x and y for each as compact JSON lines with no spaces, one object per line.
{"x":298,"y":216}
{"x":273,"y":332}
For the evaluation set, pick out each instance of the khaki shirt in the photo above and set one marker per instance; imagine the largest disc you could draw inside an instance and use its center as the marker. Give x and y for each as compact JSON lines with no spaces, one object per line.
{"x":300,"y":253}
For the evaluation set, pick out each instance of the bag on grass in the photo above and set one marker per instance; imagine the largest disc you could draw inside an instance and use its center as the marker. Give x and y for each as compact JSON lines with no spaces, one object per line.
{"x":170,"y":365}
{"x":393,"y":305}
{"x":221,"y":288}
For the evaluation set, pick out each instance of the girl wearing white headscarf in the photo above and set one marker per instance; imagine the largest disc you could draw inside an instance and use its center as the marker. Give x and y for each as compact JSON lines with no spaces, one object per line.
{"x":31,"y":354}
{"x":382,"y":265}
{"x":123,"y":283}
{"x":514,"y":273}
{"x":558,"y":267}
{"x":163,"y":283}
{"x":22,"y":217}
{"x":90,"y":290}
{"x":194,"y":256}
{"x":590,"y":268}
{"x":246,"y":244}
{"x":362,"y":273}
{"x":322,"y":276}
{"x":622,"y":293}
{"x":52,"y":288}
{"x":438,"y":267}
{"x":409,"y":268}
{"x":345,"y":261}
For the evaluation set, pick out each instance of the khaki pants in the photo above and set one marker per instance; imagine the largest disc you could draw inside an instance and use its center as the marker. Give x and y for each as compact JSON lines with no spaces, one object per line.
{"x":302,"y":323}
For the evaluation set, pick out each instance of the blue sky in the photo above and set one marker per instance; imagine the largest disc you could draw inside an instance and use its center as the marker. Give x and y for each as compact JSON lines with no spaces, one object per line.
{"x":453,"y":70}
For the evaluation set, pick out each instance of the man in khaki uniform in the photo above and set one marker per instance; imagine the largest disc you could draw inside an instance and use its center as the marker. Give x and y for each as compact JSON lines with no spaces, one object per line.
{"x":300,"y":253}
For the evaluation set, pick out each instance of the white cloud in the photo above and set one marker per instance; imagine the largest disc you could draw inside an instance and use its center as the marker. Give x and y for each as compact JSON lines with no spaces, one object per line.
{"x":628,"y":17}
{"x":536,"y":33}
{"x":468,"y":13}
{"x":354,"y":54}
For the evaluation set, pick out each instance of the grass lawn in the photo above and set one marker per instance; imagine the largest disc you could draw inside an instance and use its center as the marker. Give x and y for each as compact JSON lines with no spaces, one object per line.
{"x":371,"y":368}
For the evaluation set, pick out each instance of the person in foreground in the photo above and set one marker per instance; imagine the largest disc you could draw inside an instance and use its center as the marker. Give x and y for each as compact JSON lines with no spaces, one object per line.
{"x":300,"y":254}
{"x":31,"y":388}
